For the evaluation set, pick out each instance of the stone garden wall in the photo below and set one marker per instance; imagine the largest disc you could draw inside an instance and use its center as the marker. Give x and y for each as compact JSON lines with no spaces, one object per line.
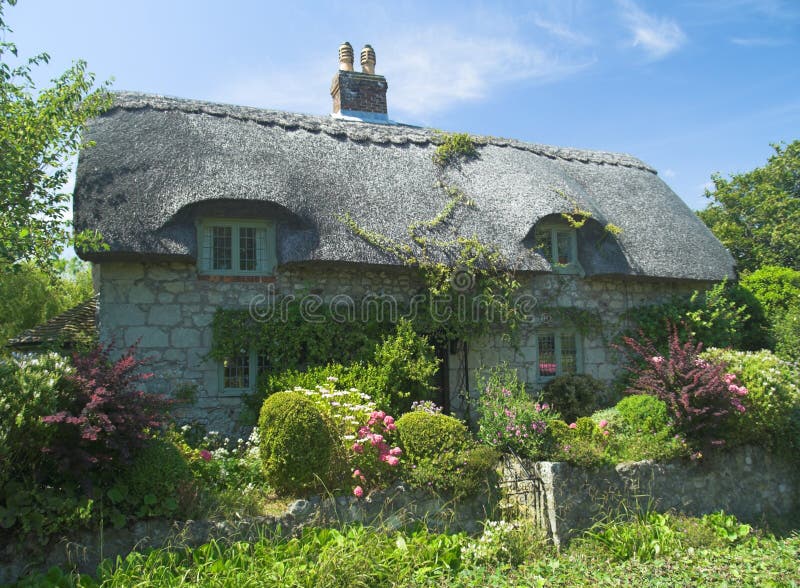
{"x":564,"y":500}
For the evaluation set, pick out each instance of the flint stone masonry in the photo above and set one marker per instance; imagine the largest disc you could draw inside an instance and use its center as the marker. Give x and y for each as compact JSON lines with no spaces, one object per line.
{"x":393,"y":508}
{"x":177,"y":334}
{"x":564,"y":500}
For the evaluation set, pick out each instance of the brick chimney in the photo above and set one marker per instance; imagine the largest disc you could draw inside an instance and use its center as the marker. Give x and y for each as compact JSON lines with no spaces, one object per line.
{"x":360,"y":95}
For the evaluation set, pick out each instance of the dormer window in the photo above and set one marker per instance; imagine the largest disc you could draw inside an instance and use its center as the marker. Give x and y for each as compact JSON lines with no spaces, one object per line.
{"x":558,"y":244}
{"x":236,"y":247}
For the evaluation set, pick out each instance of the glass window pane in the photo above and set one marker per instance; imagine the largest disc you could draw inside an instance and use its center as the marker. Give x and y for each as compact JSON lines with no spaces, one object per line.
{"x":262,"y":363}
{"x":247,"y":249}
{"x":564,"y":247}
{"x":222,"y":249}
{"x":547,"y":355}
{"x":569,"y":354}
{"x":237,"y":372}
{"x":544,"y":246}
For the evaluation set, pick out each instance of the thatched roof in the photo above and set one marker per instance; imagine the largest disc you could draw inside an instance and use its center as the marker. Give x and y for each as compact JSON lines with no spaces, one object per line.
{"x":160,"y":163}
{"x":64,"y":330}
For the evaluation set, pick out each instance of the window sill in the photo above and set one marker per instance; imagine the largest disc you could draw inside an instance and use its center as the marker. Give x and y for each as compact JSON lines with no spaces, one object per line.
{"x":228,"y":279}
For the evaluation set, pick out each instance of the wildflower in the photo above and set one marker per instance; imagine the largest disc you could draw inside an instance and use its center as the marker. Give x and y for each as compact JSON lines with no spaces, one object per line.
{"x":388,"y":420}
{"x":603,"y":424}
{"x":205,"y":454}
{"x":392,"y":460}
{"x":573,"y":426}
{"x":358,"y":492}
{"x":657,"y":360}
{"x":396,"y":451}
{"x":356,"y":473}
{"x":606,"y":432}
{"x":357,"y":447}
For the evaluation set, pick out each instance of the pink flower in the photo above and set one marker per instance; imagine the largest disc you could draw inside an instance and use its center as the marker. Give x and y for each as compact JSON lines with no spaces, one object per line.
{"x":396,"y":451}
{"x":357,"y":447}
{"x":356,"y":473}
{"x":392,"y":460}
{"x":388,"y":420}
{"x":378,"y":415}
{"x":606,"y":432}
{"x":573,"y":426}
{"x":391,"y":427}
{"x":205,"y":454}
{"x":603,"y":424}
{"x":358,"y":492}
{"x":729,"y":378}
{"x":376,"y":439}
{"x":657,"y":360}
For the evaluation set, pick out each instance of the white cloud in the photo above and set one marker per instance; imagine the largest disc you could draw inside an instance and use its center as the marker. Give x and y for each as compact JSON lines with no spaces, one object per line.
{"x":668,"y":173}
{"x":759,"y":41}
{"x":428,"y":72}
{"x":657,"y":37}
{"x":561,"y":31}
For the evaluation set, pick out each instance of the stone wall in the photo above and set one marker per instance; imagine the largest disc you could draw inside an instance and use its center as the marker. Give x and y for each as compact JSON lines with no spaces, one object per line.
{"x":564,"y":500}
{"x":390,"y":509}
{"x":168,"y":309}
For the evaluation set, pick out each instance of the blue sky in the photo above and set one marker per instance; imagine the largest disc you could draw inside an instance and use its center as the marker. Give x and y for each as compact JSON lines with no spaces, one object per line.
{"x":691,"y":87}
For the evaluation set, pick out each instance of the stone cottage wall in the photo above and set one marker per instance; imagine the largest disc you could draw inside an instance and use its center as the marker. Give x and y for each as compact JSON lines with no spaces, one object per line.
{"x":168,"y":309}
{"x":606,"y":297}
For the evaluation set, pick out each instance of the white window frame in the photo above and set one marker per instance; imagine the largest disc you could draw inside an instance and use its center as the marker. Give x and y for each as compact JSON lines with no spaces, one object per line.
{"x":557,"y":334}
{"x":573,"y":267}
{"x":252,"y":367}
{"x":265,"y":246}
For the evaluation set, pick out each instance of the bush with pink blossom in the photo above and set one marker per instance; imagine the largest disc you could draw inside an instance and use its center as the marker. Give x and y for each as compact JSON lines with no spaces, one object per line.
{"x":373,"y":456}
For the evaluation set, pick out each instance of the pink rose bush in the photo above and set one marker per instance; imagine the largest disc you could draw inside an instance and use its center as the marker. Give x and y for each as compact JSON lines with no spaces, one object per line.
{"x":374,"y":458}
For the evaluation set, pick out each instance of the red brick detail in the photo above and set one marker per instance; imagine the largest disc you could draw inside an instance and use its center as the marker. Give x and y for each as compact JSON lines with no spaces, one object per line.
{"x":230,"y":279}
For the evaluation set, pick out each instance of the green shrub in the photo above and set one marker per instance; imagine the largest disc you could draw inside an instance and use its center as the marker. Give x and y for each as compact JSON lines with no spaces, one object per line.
{"x":726,"y":527}
{"x":582,"y":443}
{"x":158,"y":483}
{"x":776,"y":288}
{"x":726,"y":315}
{"x":298,"y":445}
{"x":400,"y":372}
{"x":573,"y":395}
{"x":425,"y":435}
{"x":644,"y":537}
{"x":463,"y":473}
{"x":786,"y":332}
{"x":643,"y":412}
{"x":773,"y":393}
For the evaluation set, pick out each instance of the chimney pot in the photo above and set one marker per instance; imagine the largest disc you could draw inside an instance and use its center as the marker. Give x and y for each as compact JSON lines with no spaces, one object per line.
{"x":346,"y":57}
{"x":368,"y":60}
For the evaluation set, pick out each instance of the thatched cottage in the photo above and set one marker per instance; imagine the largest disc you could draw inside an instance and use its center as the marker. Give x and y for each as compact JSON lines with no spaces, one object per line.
{"x":207,"y":206}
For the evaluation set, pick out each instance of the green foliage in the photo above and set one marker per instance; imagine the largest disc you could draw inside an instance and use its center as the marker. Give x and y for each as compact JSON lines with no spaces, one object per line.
{"x":582,"y":443}
{"x":776,"y":288}
{"x":506,"y":542}
{"x":30,"y":296}
{"x":756,"y":214}
{"x":460,"y":474}
{"x":298,"y":445}
{"x":786,"y":330}
{"x":426,"y":435}
{"x":773,"y":393}
{"x":573,"y":395}
{"x":454,"y":148}
{"x":726,"y":527}
{"x":726,"y":315}
{"x":158,"y":483}
{"x":643,"y":412}
{"x":645,"y":536}
{"x":31,"y":387}
{"x":399,"y":372}
{"x":40,"y":134}
{"x":509,"y":419}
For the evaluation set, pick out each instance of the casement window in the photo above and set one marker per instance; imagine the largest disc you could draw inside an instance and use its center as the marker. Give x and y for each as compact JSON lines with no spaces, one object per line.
{"x":558,"y":244}
{"x":239,"y":374}
{"x":557,"y":353}
{"x":236,"y":247}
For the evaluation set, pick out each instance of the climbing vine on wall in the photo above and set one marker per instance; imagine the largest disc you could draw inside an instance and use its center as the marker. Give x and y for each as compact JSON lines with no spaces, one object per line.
{"x":470,"y":285}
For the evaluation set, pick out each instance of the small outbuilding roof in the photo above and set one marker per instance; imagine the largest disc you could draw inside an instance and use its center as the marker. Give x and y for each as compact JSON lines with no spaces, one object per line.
{"x":64,"y":329}
{"x":159,"y":164}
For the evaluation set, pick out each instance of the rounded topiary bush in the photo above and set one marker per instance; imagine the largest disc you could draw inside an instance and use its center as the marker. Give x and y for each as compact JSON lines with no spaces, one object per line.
{"x":573,"y":395}
{"x":643,"y":412}
{"x":298,"y":445}
{"x":157,"y":481}
{"x":424,"y":435}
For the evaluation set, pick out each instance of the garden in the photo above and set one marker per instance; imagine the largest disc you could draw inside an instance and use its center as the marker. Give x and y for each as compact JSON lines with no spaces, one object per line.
{"x":84,"y":447}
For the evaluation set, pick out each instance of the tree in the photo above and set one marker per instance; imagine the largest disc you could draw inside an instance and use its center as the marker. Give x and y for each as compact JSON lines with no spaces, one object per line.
{"x":756,"y":214}
{"x":39,"y":135}
{"x":31,"y":296}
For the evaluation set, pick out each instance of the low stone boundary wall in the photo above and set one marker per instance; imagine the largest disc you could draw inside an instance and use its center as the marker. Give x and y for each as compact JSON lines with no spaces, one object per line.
{"x":564,"y":500}
{"x":392,"y":508}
